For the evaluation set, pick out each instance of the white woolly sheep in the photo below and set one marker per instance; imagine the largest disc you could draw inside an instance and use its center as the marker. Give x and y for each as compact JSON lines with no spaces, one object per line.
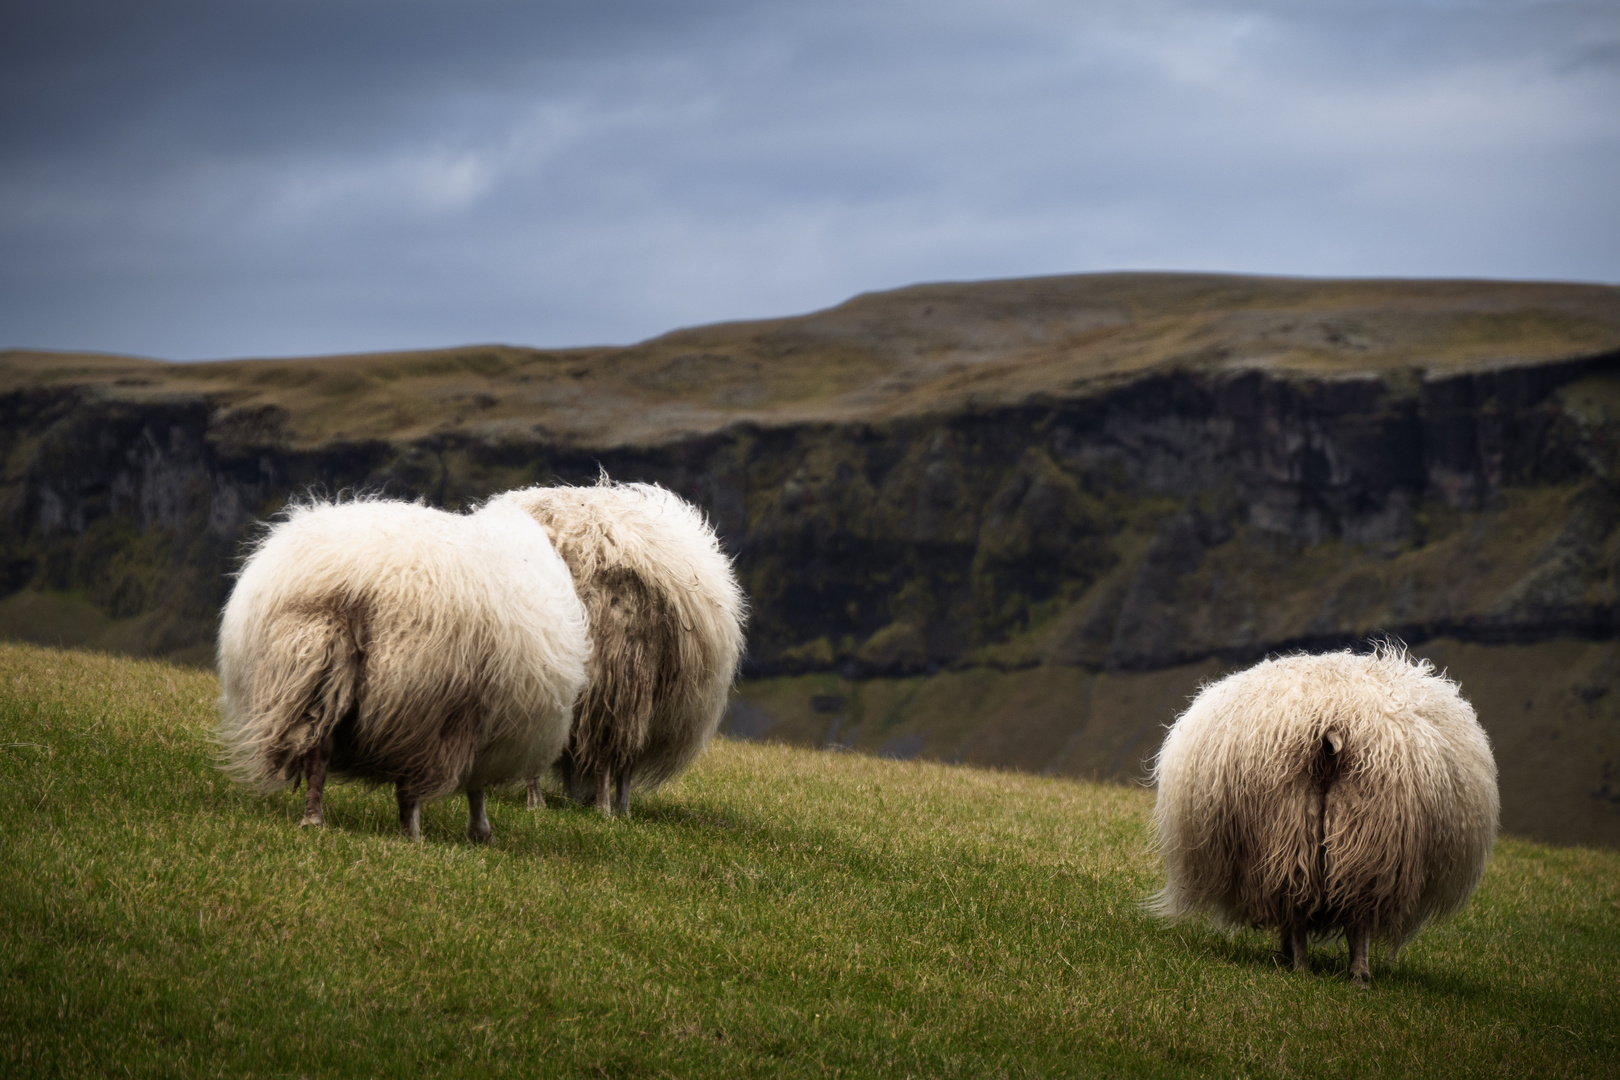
{"x":393,"y":643}
{"x":666,"y":618}
{"x":1310,"y":794}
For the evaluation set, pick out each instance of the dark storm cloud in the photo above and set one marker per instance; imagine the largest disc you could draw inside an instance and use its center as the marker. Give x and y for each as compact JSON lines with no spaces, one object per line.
{"x":206,"y":179}
{"x":232,"y":74}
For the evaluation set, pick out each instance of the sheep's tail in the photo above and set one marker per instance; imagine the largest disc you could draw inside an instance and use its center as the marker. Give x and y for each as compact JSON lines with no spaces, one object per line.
{"x":305,"y":681}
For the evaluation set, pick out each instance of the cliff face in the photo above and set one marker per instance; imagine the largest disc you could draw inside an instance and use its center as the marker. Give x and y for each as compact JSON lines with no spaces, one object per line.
{"x":1177,"y":517}
{"x":1187,"y":516}
{"x":140,"y":509}
{"x":1047,"y":511}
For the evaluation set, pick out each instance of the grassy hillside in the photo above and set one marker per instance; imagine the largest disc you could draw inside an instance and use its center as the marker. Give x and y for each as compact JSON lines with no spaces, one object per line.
{"x":776,"y":912}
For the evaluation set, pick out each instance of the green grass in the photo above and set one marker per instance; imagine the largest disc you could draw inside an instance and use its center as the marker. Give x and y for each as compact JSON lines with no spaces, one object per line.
{"x":776,"y":912}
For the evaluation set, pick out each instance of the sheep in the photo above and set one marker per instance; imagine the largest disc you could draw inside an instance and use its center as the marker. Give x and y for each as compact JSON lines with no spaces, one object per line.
{"x":394,"y":643}
{"x":666,"y":617}
{"x":1309,"y":794}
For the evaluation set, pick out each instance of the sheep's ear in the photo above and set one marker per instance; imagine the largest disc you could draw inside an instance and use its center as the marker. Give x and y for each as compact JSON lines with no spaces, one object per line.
{"x":1333,"y":742}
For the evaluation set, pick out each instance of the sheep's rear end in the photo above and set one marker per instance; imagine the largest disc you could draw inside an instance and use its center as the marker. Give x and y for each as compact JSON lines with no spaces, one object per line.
{"x":1314,"y":794}
{"x":393,"y":643}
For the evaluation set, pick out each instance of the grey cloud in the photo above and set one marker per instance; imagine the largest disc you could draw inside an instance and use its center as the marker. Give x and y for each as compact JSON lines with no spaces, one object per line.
{"x":297,"y":71}
{"x":231,"y":178}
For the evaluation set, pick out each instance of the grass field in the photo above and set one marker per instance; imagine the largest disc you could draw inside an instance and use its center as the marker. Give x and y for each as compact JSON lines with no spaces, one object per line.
{"x":776,"y":912}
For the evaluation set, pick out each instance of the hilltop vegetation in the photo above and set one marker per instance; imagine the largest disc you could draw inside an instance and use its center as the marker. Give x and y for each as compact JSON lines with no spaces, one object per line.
{"x":926,"y":349}
{"x":776,"y":912}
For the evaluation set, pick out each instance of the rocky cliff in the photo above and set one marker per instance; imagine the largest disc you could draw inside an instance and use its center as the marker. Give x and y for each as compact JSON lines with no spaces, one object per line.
{"x":1053,"y":488}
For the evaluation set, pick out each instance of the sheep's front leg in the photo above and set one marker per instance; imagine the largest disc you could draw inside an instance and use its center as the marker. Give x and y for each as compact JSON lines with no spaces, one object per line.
{"x":1360,"y":938}
{"x":537,"y":798}
{"x":1293,"y":948}
{"x":621,"y":804}
{"x":1302,"y":950}
{"x":572,"y":790}
{"x":478,"y":830}
{"x":1285,"y":949}
{"x":604,"y":786}
{"x":410,"y":813}
{"x":315,"y":763}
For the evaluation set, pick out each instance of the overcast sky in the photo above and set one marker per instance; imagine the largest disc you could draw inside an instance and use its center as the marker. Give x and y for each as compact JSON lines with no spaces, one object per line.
{"x":270,"y":177}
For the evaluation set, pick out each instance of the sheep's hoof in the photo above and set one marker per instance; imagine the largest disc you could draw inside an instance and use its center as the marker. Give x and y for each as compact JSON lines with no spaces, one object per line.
{"x":312,"y":821}
{"x":481,"y":836}
{"x":1362,"y":979}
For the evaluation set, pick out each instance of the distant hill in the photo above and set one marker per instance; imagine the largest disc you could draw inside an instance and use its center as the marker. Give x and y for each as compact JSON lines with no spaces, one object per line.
{"x":919,"y":350}
{"x":1010,"y":523}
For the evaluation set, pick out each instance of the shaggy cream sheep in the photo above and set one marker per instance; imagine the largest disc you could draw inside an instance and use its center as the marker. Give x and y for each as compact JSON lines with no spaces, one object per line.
{"x":1313,"y":793}
{"x":666,"y":617}
{"x":394,"y":643}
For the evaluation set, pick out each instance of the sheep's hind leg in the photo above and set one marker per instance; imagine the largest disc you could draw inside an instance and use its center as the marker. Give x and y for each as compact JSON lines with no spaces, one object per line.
{"x":315,"y":763}
{"x":410,"y":813}
{"x":621,"y":804}
{"x":537,"y":798}
{"x":604,"y":787}
{"x":1360,"y":938}
{"x":478,"y":830}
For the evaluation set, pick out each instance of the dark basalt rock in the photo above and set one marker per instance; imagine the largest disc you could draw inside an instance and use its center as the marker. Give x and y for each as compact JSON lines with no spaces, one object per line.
{"x":1178,"y":516}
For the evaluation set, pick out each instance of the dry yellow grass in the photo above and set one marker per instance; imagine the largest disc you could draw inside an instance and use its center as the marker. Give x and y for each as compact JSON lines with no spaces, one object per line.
{"x":927,"y":348}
